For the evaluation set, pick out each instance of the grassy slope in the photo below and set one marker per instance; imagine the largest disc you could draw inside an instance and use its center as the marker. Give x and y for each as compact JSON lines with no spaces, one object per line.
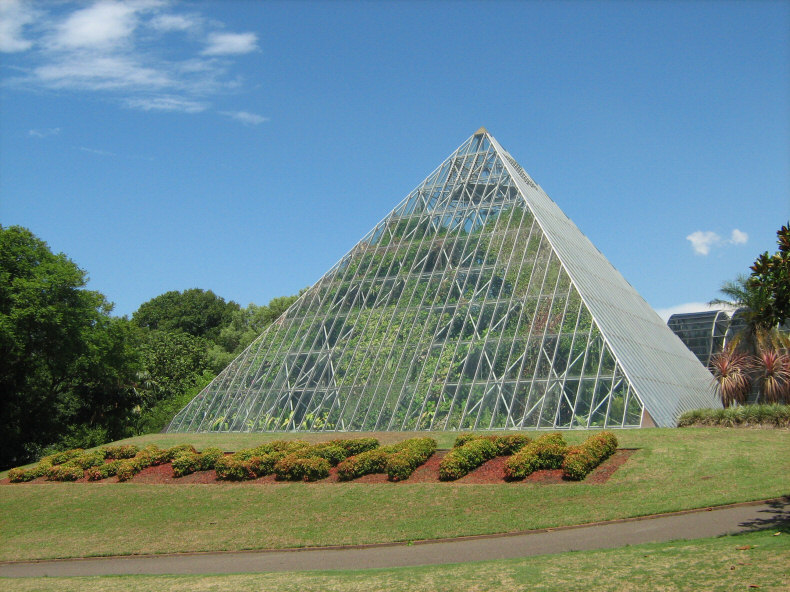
{"x":674,"y":469}
{"x":714,"y":564}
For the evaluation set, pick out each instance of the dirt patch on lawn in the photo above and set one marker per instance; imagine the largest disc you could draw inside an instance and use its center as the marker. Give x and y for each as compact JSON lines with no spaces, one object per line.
{"x":492,"y":471}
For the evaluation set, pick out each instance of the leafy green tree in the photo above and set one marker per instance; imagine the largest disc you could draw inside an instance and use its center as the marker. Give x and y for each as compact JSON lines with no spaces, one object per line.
{"x":65,"y":364}
{"x":771,"y":276}
{"x":200,"y":313}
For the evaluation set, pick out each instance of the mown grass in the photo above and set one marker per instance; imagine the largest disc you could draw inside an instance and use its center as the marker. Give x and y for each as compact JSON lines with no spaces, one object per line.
{"x":672,"y":470}
{"x":738,"y":562}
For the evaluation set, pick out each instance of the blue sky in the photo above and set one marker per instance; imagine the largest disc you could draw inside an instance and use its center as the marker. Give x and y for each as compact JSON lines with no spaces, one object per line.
{"x":244,"y":147}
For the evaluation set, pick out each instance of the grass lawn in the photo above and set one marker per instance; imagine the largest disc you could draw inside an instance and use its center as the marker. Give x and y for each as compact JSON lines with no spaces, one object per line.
{"x":737,"y":562}
{"x":673,"y":469}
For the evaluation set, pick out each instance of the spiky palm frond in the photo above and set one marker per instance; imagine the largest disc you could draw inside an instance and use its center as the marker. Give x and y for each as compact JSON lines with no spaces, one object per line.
{"x":773,"y":375}
{"x":730,"y":371}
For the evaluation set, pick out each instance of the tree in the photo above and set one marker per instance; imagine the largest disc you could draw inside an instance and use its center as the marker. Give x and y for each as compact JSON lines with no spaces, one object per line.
{"x":200,"y":313}
{"x":64,"y":362}
{"x":771,"y":276}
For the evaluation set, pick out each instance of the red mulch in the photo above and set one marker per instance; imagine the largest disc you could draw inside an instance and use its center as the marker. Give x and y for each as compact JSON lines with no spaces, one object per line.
{"x":492,"y":471}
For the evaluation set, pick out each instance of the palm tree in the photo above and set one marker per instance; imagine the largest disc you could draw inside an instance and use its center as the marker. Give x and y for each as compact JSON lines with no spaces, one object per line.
{"x":750,"y":300}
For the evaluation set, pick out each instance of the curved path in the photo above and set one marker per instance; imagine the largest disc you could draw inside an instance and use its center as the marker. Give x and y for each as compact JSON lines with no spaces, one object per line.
{"x":616,"y":533}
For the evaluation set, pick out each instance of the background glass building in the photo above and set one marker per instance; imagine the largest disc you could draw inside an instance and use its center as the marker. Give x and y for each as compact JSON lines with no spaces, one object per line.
{"x":474,"y":304}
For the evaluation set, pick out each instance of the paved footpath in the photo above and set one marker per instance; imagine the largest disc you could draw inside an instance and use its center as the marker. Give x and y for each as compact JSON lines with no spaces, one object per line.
{"x":666,"y":527}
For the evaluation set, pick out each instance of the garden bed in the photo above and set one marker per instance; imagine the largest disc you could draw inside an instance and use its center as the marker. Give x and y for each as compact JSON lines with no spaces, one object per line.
{"x":493,"y":471}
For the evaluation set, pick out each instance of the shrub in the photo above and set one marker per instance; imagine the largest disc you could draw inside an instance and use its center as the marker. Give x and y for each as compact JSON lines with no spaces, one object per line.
{"x":547,"y":452}
{"x":354,"y":446}
{"x":409,"y":455}
{"x":21,"y":475}
{"x":126,"y":469}
{"x":208,"y":458}
{"x":761,"y":415}
{"x":120,"y":451}
{"x":332,"y":453}
{"x":231,"y":469}
{"x":185,"y":463}
{"x":258,"y":466}
{"x":87,"y":460}
{"x":65,"y":472}
{"x":511,"y":443}
{"x":275,"y":446}
{"x":104,"y":471}
{"x":294,"y":467}
{"x":364,"y":463}
{"x":463,"y":439}
{"x":463,"y":459}
{"x":581,"y":460}
{"x":60,"y":458}
{"x":174,"y":451}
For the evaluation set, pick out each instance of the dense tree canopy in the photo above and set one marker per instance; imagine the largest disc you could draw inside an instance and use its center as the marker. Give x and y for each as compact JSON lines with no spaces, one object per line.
{"x":197,"y":312}
{"x":65,"y":364}
{"x":771,"y":276}
{"x":73,"y":375}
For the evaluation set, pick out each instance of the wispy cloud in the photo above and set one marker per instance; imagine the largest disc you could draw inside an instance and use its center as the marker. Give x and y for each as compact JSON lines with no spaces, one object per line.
{"x":96,"y":151}
{"x":175,"y":22}
{"x":44,"y":133}
{"x":166,"y":104}
{"x":702,"y":241}
{"x":134,"y":52}
{"x":231,"y":43}
{"x":14,"y":17}
{"x":245,"y":117}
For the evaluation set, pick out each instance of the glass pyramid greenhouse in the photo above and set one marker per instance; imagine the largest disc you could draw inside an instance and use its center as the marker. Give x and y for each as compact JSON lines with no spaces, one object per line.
{"x":475,"y":304}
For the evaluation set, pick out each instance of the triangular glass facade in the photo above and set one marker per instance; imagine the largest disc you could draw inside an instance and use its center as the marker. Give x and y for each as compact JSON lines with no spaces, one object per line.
{"x":454,"y":312}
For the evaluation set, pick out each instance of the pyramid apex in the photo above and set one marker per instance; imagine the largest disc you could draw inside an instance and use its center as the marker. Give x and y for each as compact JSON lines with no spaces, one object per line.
{"x":481,"y":131}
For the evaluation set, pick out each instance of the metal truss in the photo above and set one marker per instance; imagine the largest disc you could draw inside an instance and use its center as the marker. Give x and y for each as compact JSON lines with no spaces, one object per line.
{"x":457,"y":311}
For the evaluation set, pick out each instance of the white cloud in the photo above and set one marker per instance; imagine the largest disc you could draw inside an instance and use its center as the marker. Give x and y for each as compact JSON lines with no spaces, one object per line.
{"x":104,"y":24}
{"x":231,"y":43}
{"x":738,"y":237}
{"x":13,"y":17}
{"x":167,"y":103}
{"x":245,"y":117}
{"x":702,"y":241}
{"x":125,"y":50}
{"x":174,"y":22}
{"x":95,"y":151}
{"x":53,"y":131}
{"x":87,"y":72}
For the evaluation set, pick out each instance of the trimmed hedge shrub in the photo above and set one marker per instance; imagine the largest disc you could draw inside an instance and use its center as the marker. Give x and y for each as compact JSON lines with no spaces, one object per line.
{"x":60,"y":458}
{"x":463,"y":459}
{"x":65,"y":472}
{"x":87,"y":460}
{"x":121,"y":451}
{"x":185,"y":463}
{"x":581,"y":460}
{"x":208,"y":458}
{"x":103,"y":471}
{"x":397,"y":460}
{"x":506,"y":445}
{"x":23,"y":475}
{"x":412,"y":453}
{"x":547,"y":452}
{"x":365,"y":463}
{"x":354,"y":446}
{"x":294,"y":467}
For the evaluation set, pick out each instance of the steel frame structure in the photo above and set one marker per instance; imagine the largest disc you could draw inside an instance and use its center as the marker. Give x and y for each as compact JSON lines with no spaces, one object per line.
{"x":474,"y":304}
